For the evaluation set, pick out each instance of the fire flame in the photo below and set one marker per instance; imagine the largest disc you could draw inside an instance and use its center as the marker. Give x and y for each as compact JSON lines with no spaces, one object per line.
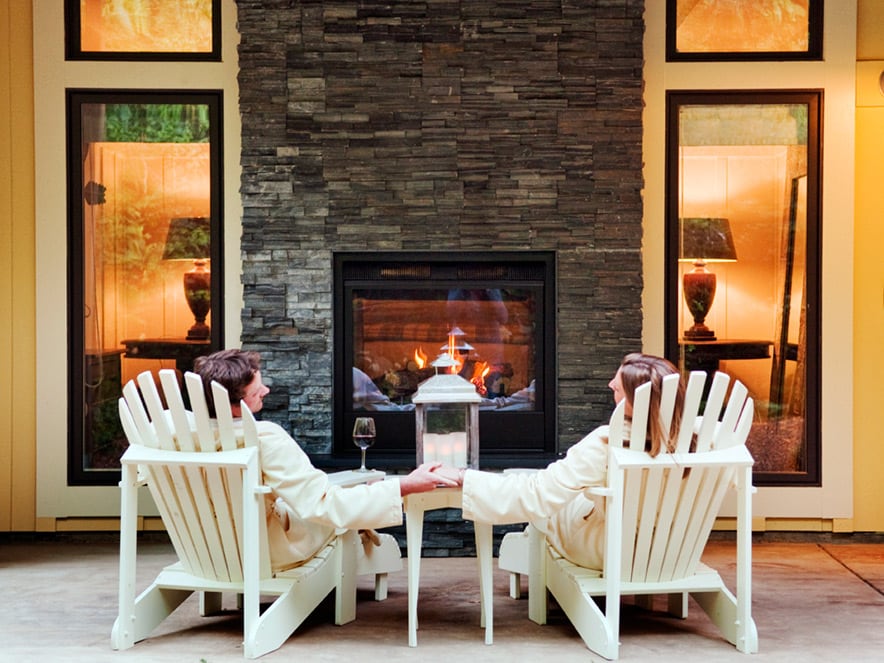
{"x":480,"y":370}
{"x":420,"y":358}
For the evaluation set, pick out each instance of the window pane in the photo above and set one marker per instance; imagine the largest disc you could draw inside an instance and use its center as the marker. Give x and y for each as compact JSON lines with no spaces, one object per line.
{"x":146,"y":26}
{"x":744,"y":30}
{"x":146,"y":241}
{"x":744,"y":282}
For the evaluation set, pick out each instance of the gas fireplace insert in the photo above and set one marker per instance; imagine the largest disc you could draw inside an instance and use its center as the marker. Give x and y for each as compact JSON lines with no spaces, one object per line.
{"x":493,"y":312}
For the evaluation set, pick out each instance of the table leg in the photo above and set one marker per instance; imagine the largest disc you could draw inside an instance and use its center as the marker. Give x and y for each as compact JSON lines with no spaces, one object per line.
{"x":484,"y":553}
{"x":414,"y":527}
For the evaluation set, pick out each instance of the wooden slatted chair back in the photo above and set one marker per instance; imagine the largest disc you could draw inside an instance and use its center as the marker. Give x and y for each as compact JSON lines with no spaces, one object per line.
{"x":668,"y":504}
{"x":198,"y":494}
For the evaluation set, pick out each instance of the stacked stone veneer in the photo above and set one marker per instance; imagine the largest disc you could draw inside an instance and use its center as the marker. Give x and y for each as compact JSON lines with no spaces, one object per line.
{"x":446,"y":126}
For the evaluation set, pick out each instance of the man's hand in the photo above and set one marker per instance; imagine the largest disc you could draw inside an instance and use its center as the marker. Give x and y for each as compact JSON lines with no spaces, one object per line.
{"x":449,"y":472}
{"x":424,"y":479}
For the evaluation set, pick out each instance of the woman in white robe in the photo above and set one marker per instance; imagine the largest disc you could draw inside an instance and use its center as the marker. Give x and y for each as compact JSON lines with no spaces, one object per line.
{"x":555,"y":498}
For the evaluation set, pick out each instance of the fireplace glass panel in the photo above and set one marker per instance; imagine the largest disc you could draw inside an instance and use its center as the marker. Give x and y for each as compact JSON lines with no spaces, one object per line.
{"x":397,"y":336}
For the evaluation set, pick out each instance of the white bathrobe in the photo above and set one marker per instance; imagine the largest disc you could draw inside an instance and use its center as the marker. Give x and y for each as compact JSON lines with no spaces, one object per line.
{"x":553,"y":499}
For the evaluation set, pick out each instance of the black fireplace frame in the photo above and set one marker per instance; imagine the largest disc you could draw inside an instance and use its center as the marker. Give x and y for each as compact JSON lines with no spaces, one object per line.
{"x":508,"y":439}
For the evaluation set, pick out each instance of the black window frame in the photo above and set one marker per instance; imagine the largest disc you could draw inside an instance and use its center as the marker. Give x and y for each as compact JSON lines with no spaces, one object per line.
{"x":74,"y":50}
{"x":75,"y":99}
{"x":813,"y":98}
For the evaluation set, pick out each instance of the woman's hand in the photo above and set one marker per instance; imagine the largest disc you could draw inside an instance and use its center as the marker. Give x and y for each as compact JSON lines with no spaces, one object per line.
{"x":451,"y":473}
{"x":424,"y":479}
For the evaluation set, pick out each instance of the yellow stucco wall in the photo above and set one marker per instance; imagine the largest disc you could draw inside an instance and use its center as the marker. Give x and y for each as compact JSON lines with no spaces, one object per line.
{"x":17,"y":292}
{"x":868,"y":269}
{"x":17,"y":273}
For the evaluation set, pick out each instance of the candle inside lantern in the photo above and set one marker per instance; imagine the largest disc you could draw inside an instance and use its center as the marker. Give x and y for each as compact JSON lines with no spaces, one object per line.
{"x":449,"y":448}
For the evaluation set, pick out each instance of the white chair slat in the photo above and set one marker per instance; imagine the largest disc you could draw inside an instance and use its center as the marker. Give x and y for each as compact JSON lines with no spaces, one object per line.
{"x":249,"y":426}
{"x":714,"y":401}
{"x":135,"y":406}
{"x":722,"y":478}
{"x":224,"y":417}
{"x":736,"y":401}
{"x":698,"y":508}
{"x":228,"y":497}
{"x":644,"y":539}
{"x":741,"y":433}
{"x":181,"y":429}
{"x":250,"y":439}
{"x":202,"y":561}
{"x":640,"y":404}
{"x":209,"y":503}
{"x":693,"y":396}
{"x":151,"y":396}
{"x":680,"y":522}
{"x":616,"y":424}
{"x":669,"y":391}
{"x":630,"y":521}
{"x":663,"y":532}
{"x":205,"y":434}
{"x":165,"y":496}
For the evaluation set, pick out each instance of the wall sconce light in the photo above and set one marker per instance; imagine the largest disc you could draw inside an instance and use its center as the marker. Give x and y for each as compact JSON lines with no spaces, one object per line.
{"x":703,"y":240}
{"x":189,"y":238}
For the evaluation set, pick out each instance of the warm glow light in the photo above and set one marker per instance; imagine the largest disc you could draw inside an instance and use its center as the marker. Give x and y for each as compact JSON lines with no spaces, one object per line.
{"x":109,"y":26}
{"x":455,"y":369}
{"x":420,"y":358}
{"x":480,"y":370}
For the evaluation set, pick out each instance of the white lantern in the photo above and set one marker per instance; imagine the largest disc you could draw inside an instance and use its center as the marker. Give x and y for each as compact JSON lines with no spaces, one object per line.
{"x":447,"y":419}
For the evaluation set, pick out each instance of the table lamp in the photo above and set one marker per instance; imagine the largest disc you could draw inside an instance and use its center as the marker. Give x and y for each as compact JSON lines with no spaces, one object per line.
{"x":189,"y":238}
{"x":703,"y":240}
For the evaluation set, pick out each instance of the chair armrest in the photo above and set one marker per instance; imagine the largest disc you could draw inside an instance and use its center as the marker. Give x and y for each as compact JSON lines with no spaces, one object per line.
{"x":603,"y":491}
{"x":355,"y":477}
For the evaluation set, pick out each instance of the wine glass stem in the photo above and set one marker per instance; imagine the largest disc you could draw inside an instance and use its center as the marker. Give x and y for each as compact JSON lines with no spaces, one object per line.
{"x":363,"y":462}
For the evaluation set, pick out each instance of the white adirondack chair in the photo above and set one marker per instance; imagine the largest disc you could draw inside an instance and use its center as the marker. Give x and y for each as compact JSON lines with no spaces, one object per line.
{"x":212,"y":505}
{"x":659,"y":514}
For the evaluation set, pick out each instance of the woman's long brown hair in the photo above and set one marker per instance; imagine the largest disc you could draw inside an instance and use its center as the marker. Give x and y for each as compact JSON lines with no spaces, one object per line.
{"x":636,"y":369}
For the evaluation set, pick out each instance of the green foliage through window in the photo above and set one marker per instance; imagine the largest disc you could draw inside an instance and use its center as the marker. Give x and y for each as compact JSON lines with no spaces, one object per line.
{"x":157,"y":123}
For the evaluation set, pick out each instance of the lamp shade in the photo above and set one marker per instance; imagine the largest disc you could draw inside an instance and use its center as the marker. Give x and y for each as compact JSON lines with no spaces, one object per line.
{"x":706,"y":239}
{"x":189,"y":238}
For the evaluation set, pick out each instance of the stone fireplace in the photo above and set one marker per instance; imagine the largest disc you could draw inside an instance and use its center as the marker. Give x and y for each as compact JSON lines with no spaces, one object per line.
{"x":448,"y":128}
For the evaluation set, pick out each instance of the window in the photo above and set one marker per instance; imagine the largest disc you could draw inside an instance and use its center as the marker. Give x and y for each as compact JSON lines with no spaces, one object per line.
{"x":743,"y":228}
{"x":744,"y":30}
{"x":145,"y":253}
{"x":143,"y":30}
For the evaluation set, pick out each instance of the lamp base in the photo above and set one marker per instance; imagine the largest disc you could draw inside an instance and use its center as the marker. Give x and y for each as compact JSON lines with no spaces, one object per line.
{"x":699,"y":292}
{"x":197,"y":291}
{"x":699,"y":333}
{"x":198,"y":332}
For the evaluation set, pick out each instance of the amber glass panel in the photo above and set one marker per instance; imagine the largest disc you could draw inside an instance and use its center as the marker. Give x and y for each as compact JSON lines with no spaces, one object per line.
{"x":145,"y":26}
{"x":743,"y":223}
{"x":744,"y":28}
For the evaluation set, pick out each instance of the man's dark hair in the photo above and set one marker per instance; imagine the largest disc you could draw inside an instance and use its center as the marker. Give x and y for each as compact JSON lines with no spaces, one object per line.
{"x":233,"y":369}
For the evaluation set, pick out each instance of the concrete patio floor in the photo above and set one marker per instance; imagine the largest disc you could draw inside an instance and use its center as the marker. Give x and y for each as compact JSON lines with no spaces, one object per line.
{"x":814,"y":600}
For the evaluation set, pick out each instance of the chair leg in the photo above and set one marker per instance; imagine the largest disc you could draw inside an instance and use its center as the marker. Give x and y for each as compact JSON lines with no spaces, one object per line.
{"x":537,"y":598}
{"x":515,"y":585}
{"x":150,"y":609}
{"x":345,"y":587}
{"x":380,"y":587}
{"x":677,"y":605}
{"x":210,"y":603}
